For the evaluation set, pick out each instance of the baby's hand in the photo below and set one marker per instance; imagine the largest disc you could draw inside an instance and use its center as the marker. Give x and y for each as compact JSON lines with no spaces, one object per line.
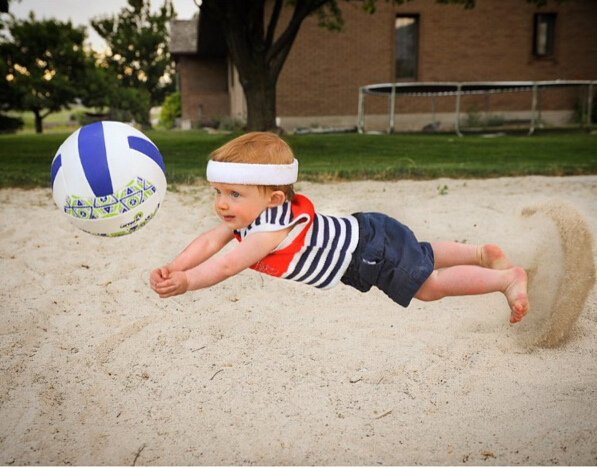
{"x":157,"y":276}
{"x":174,"y":284}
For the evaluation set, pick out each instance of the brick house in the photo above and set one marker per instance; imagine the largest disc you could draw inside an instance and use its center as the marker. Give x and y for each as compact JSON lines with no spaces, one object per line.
{"x":419,"y":41}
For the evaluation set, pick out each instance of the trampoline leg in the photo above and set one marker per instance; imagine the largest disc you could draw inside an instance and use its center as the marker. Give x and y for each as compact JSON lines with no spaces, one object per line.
{"x":392,"y":110}
{"x":457,"y":122}
{"x":589,"y":105}
{"x":533,"y":109}
{"x":361,"y":116}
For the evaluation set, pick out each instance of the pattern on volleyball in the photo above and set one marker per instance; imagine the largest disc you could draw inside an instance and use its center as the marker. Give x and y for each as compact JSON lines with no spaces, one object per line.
{"x":108,"y":179}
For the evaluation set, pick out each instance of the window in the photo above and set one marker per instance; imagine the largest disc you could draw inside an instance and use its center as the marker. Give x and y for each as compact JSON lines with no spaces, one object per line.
{"x":406,"y":48}
{"x":543,"y":34}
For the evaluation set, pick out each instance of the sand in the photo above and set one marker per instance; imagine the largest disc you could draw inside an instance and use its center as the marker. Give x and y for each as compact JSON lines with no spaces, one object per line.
{"x":96,"y":369}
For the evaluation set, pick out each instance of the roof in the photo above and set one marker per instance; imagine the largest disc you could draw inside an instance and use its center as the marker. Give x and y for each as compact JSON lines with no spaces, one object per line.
{"x":184,"y":36}
{"x":198,"y":36}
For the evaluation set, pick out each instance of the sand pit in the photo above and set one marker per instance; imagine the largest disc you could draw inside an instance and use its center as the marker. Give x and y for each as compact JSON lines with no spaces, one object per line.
{"x":96,"y":369}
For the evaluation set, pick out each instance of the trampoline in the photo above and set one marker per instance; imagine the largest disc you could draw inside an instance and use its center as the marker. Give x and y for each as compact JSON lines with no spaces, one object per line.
{"x":426,"y":89}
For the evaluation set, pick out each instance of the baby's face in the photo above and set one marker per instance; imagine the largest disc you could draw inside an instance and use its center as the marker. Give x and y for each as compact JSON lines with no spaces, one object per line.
{"x":239,"y":205}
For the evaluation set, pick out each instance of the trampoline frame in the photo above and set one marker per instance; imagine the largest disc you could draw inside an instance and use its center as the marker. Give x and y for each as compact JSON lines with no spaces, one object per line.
{"x":429,"y":89}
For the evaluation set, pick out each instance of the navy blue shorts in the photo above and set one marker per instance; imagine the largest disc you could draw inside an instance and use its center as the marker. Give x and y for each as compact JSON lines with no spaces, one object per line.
{"x":390,"y":257}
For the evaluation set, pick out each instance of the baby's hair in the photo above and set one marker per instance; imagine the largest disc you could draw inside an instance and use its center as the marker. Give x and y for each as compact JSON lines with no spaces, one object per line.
{"x":258,"y":148}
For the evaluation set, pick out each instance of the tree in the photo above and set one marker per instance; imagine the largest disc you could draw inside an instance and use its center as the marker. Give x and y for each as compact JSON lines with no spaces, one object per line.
{"x":258,"y":51}
{"x":138,"y":43}
{"x":104,"y":90}
{"x":42,"y":66}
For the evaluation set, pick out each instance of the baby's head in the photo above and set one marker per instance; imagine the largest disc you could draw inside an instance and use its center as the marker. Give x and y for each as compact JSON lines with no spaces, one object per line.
{"x":259,"y":148}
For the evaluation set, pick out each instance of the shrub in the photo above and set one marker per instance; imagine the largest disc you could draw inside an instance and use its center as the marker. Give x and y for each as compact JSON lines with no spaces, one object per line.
{"x":171,"y":110}
{"x":10,"y":124}
{"x":580,"y":107}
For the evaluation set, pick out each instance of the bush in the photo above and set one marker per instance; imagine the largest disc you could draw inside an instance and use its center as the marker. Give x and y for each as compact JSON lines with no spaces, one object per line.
{"x":210,"y":122}
{"x":10,"y":124}
{"x":171,"y":110}
{"x":580,"y":107}
{"x":232,"y":125}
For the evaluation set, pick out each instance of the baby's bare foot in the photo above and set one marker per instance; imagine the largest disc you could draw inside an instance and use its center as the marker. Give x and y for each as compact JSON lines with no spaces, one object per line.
{"x":491,"y":256}
{"x":516,"y":293}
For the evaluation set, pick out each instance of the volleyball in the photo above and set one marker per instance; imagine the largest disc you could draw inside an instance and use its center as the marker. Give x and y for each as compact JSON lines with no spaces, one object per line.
{"x":108,"y":179}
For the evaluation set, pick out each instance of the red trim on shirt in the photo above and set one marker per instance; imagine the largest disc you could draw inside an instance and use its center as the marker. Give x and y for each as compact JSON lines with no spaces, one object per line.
{"x":278,"y":261}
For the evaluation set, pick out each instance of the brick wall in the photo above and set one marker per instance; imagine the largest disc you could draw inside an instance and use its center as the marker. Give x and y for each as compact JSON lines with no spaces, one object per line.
{"x":492,"y":42}
{"x":203,"y":85}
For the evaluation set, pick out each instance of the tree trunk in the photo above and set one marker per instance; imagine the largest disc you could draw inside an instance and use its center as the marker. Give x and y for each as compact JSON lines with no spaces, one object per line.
{"x":256,"y":51}
{"x":260,"y":93}
{"x":38,"y":122}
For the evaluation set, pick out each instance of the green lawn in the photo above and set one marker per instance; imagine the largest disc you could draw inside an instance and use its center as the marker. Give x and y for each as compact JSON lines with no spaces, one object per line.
{"x":25,"y":158}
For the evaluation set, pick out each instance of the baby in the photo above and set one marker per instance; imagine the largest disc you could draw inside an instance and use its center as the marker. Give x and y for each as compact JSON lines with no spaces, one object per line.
{"x":280,"y":233}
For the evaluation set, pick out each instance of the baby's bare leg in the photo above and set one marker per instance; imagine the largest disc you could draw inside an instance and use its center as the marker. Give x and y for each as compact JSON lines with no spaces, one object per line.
{"x":448,"y":254}
{"x":466,"y":280}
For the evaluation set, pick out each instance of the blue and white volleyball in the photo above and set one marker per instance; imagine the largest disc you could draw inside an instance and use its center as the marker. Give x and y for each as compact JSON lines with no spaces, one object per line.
{"x":108,"y":179}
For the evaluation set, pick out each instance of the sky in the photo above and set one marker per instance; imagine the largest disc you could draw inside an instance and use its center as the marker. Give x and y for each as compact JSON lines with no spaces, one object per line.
{"x":81,"y":11}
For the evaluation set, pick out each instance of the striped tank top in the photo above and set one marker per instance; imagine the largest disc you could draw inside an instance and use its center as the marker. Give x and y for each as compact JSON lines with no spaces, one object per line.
{"x":317,"y":251}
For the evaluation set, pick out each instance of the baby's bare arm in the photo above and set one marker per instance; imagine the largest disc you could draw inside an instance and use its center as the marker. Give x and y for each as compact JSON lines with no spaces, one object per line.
{"x":217,"y":269}
{"x":202,"y":248}
{"x":252,"y":249}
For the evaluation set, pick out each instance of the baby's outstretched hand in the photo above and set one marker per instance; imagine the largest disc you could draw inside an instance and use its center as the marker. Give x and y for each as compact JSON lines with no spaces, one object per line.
{"x":173,"y":284}
{"x":157,"y":276}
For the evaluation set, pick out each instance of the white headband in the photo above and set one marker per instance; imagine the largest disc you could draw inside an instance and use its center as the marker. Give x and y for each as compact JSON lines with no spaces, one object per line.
{"x":252,"y":174}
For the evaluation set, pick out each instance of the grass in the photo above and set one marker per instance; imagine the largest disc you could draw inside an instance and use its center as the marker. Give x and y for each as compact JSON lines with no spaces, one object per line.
{"x":25,"y":158}
{"x":386,"y":157}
